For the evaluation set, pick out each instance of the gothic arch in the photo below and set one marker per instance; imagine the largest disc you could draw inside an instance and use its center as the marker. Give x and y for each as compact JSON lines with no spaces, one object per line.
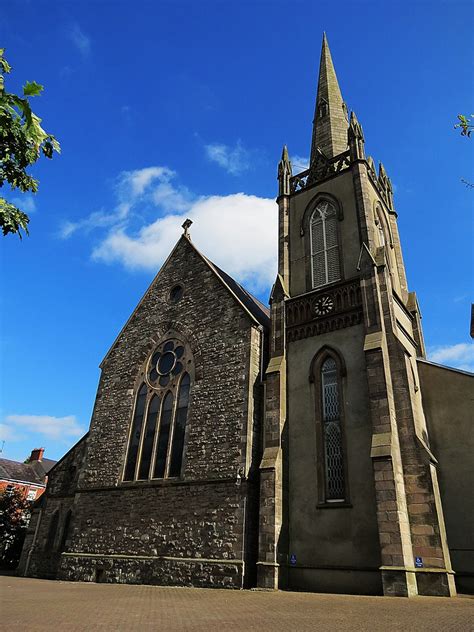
{"x":321,"y":195}
{"x":158,"y":428}
{"x":320,"y":357}
{"x":327,"y":374}
{"x":380,"y":219}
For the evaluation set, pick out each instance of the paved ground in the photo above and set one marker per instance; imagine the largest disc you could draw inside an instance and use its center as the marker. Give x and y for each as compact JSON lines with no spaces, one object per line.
{"x":34,"y":604}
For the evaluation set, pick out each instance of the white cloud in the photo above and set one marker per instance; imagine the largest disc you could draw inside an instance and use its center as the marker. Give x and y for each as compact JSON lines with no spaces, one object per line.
{"x":51,"y":427}
{"x":299,"y":163}
{"x":238,"y":231}
{"x":460,"y":355}
{"x":80,"y":40}
{"x":235,"y":160}
{"x":8,"y":433}
{"x":26,"y":203}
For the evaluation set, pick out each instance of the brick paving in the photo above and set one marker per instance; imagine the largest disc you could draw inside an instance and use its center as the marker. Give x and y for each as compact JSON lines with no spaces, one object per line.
{"x":35,"y":604}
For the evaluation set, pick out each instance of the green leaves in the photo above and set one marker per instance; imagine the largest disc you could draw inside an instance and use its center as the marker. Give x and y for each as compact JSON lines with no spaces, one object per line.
{"x":465,"y":125}
{"x":22,"y":141}
{"x":12,"y":219}
{"x":32,"y":89}
{"x":4,"y":65}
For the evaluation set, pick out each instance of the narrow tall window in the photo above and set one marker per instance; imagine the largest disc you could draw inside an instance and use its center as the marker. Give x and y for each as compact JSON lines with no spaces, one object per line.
{"x":134,"y":443}
{"x":148,"y":437}
{"x":325,"y":265}
{"x":163,"y":437}
{"x":180,"y":426}
{"x":332,"y":432}
{"x":52,"y":531}
{"x":67,"y":524}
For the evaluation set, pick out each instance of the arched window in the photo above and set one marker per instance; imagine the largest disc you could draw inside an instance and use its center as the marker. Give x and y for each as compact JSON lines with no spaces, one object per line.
{"x":332,"y":432}
{"x":180,"y":426}
{"x":134,"y":442}
{"x":157,"y":437}
{"x":327,"y":371}
{"x":325,"y":264}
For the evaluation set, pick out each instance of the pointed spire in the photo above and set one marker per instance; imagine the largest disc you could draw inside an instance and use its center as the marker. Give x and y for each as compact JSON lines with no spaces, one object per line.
{"x":284,"y":172}
{"x":330,"y":115}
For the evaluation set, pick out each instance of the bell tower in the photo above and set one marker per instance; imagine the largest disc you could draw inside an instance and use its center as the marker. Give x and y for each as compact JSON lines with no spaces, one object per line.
{"x":349,"y":498}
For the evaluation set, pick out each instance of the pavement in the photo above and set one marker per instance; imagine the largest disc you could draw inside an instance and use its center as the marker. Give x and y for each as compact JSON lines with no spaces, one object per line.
{"x":36,"y":604}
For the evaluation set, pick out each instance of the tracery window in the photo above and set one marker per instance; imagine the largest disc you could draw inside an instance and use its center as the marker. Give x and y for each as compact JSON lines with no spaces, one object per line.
{"x":332,"y":432}
{"x":325,"y":264}
{"x":157,"y":435}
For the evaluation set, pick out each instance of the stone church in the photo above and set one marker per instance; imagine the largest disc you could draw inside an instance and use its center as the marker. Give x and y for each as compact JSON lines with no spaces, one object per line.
{"x":309,"y":446}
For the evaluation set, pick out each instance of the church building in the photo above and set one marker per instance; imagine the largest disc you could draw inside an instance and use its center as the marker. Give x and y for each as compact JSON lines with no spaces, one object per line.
{"x":309,"y":446}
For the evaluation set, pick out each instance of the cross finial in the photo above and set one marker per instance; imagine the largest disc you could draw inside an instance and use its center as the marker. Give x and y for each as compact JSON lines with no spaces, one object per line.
{"x":186,"y":226}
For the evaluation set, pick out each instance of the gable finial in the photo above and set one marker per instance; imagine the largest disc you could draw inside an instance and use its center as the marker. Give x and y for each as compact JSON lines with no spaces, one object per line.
{"x":186,"y":225}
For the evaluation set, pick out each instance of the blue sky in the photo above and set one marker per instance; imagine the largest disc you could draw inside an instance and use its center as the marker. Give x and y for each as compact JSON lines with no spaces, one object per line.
{"x":174,"y":109}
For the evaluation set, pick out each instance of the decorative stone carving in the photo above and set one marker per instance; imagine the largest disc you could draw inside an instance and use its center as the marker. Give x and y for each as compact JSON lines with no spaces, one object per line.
{"x":306,"y":318}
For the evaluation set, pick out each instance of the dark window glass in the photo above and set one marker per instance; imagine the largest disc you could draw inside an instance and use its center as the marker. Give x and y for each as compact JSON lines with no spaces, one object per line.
{"x":333,"y":454}
{"x":164,"y":380}
{"x":180,"y":427}
{"x":147,"y":449}
{"x":67,"y":523}
{"x":155,"y":358}
{"x":163,"y":437}
{"x":153,"y":374}
{"x":179,"y":351}
{"x":135,"y":436}
{"x":166,"y":363}
{"x":53,"y":528}
{"x":176,"y":293}
{"x":168,"y":346}
{"x":178,"y":368}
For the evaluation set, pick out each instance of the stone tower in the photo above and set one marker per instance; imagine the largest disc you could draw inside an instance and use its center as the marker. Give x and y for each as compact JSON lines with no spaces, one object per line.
{"x":349,"y":497}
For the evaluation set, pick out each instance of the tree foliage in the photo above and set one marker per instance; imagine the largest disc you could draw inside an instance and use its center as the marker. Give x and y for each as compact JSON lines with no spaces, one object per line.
{"x":15,"y":513}
{"x":22,"y":141}
{"x":465,"y":125}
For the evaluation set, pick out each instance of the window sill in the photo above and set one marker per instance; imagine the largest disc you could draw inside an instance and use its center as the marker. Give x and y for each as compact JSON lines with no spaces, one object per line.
{"x":343,"y":504}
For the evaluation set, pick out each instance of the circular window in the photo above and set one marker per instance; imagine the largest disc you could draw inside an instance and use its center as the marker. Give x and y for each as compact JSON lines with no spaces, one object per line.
{"x":176,"y":293}
{"x":166,"y":363}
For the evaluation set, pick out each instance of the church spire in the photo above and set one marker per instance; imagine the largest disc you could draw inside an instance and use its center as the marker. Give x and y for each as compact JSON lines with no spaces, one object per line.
{"x":330,"y":114}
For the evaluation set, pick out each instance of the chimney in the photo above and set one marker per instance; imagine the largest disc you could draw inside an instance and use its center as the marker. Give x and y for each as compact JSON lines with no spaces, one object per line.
{"x":36,"y":455}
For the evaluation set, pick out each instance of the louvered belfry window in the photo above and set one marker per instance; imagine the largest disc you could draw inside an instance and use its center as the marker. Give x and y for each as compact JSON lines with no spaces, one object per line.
{"x":325,"y":265}
{"x":332,"y":432}
{"x":158,"y":428}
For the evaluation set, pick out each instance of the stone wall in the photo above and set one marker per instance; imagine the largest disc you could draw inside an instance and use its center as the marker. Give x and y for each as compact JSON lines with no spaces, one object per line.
{"x":197,"y":529}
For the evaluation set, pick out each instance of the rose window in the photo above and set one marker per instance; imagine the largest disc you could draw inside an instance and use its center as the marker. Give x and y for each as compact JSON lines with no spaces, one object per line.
{"x":166,"y":363}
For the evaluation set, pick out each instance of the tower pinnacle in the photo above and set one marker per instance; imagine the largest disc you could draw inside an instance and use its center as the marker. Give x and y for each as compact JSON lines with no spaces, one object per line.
{"x":330,"y":114}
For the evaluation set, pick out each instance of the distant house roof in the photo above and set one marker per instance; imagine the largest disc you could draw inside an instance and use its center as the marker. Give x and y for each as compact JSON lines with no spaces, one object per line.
{"x":20,"y":472}
{"x":34,"y":472}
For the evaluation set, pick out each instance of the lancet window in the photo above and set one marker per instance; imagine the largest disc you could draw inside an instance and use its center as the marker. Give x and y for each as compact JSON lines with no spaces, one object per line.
{"x":327,"y":373}
{"x":158,"y":429}
{"x":325,"y":263}
{"x":332,"y":431}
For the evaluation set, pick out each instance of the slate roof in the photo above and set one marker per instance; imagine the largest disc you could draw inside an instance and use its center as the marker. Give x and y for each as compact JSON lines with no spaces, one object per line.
{"x":258,"y":310}
{"x":34,"y":472}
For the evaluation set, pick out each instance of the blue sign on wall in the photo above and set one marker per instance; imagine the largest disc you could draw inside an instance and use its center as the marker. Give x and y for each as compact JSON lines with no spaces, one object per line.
{"x":418,"y":562}
{"x":293,"y":559}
